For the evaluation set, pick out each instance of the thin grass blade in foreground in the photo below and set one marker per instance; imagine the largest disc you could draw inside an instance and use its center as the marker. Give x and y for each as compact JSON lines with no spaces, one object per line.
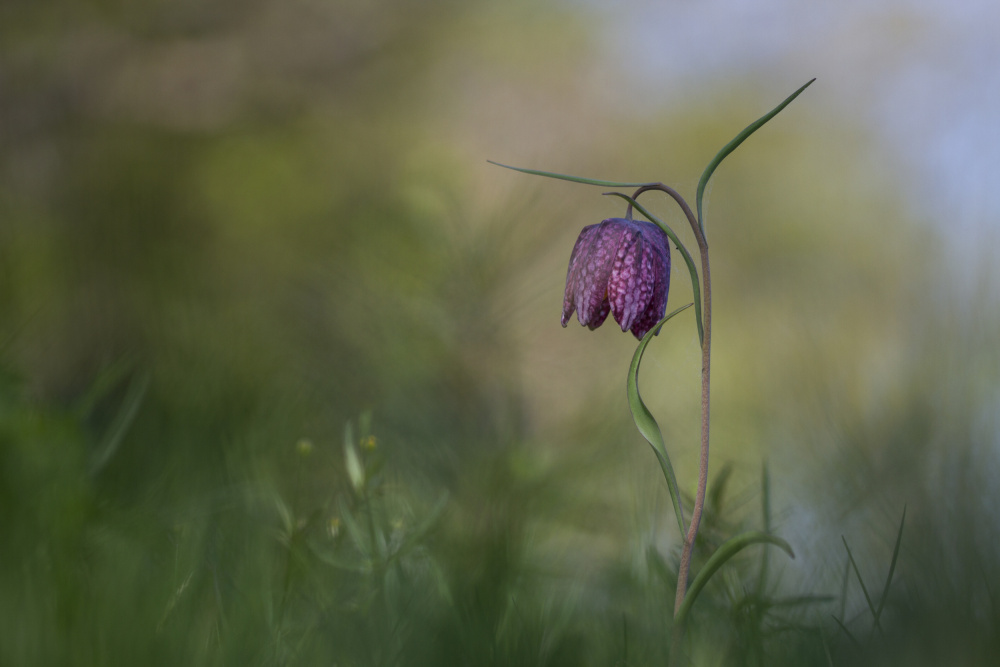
{"x":846,"y":631}
{"x":765,"y":491}
{"x":864,"y":589}
{"x":123,"y":420}
{"x":892,"y":568}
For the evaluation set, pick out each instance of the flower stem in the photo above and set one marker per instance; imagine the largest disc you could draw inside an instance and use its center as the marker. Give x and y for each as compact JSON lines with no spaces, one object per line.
{"x":706,"y":363}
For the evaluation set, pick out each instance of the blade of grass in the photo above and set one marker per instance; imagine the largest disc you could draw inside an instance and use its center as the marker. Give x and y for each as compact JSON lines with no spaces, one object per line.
{"x":732,"y":145}
{"x":843,"y":588}
{"x":425,"y":526}
{"x":765,"y":492}
{"x":659,"y":566}
{"x":645,"y":422}
{"x":892,"y":567}
{"x":354,"y":530}
{"x":864,"y":589}
{"x":846,"y":631}
{"x":826,"y":649}
{"x":800,"y":600}
{"x":109,"y":378}
{"x":123,"y":420}
{"x":719,"y":486}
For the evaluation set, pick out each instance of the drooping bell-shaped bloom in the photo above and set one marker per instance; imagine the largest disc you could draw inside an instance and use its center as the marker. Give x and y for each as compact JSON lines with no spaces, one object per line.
{"x":620,"y":267}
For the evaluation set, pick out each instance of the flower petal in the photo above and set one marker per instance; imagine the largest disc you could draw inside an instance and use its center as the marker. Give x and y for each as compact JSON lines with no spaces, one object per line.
{"x":659,"y":237}
{"x":583,"y":243}
{"x":590,"y":285}
{"x":601,"y":315}
{"x":630,"y":286}
{"x":657,"y":306}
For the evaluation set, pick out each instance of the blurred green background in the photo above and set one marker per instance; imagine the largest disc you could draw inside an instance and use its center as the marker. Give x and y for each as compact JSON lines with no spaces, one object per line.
{"x":282,"y":375}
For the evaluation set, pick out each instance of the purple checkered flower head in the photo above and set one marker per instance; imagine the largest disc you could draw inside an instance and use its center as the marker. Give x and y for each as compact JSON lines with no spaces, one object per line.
{"x":621,"y":267}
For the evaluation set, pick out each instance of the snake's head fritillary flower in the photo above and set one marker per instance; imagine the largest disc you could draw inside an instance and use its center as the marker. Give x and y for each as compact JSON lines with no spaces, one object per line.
{"x":621,"y":267}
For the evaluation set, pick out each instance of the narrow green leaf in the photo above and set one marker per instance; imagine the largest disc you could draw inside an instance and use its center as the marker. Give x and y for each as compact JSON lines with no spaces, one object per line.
{"x":843,"y":588}
{"x":720,"y":485}
{"x":172,"y":602}
{"x":425,"y":526}
{"x":337,"y":561}
{"x":727,"y":550}
{"x":765,"y":488}
{"x":892,"y":567}
{"x":574,"y":179}
{"x":732,"y":145}
{"x":797,"y":600}
{"x":354,"y":530}
{"x":692,"y":269}
{"x":846,"y":631}
{"x":864,"y":589}
{"x":343,"y":564}
{"x":355,"y":471}
{"x":645,"y":422}
{"x":659,"y":567}
{"x":287,"y":519}
{"x":765,"y":492}
{"x":123,"y":420}
{"x":108,"y":379}
{"x":826,"y":647}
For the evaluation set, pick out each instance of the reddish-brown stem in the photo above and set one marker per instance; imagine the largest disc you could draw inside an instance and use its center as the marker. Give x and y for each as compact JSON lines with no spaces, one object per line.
{"x":699,"y":502}
{"x":706,"y":362}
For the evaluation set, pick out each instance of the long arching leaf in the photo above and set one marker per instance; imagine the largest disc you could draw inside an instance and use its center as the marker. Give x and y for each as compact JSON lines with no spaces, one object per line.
{"x":732,"y":145}
{"x":727,"y":550}
{"x":574,"y":179}
{"x":645,"y":422}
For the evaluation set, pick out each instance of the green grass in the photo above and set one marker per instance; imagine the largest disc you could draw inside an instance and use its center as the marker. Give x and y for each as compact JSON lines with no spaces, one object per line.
{"x":287,"y":563}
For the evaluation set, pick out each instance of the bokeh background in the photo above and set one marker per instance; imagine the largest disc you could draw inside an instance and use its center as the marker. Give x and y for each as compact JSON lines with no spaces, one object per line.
{"x":282,"y":375}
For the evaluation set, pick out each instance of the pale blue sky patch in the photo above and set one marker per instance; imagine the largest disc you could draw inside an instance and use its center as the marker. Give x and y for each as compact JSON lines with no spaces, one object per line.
{"x":923,"y":76}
